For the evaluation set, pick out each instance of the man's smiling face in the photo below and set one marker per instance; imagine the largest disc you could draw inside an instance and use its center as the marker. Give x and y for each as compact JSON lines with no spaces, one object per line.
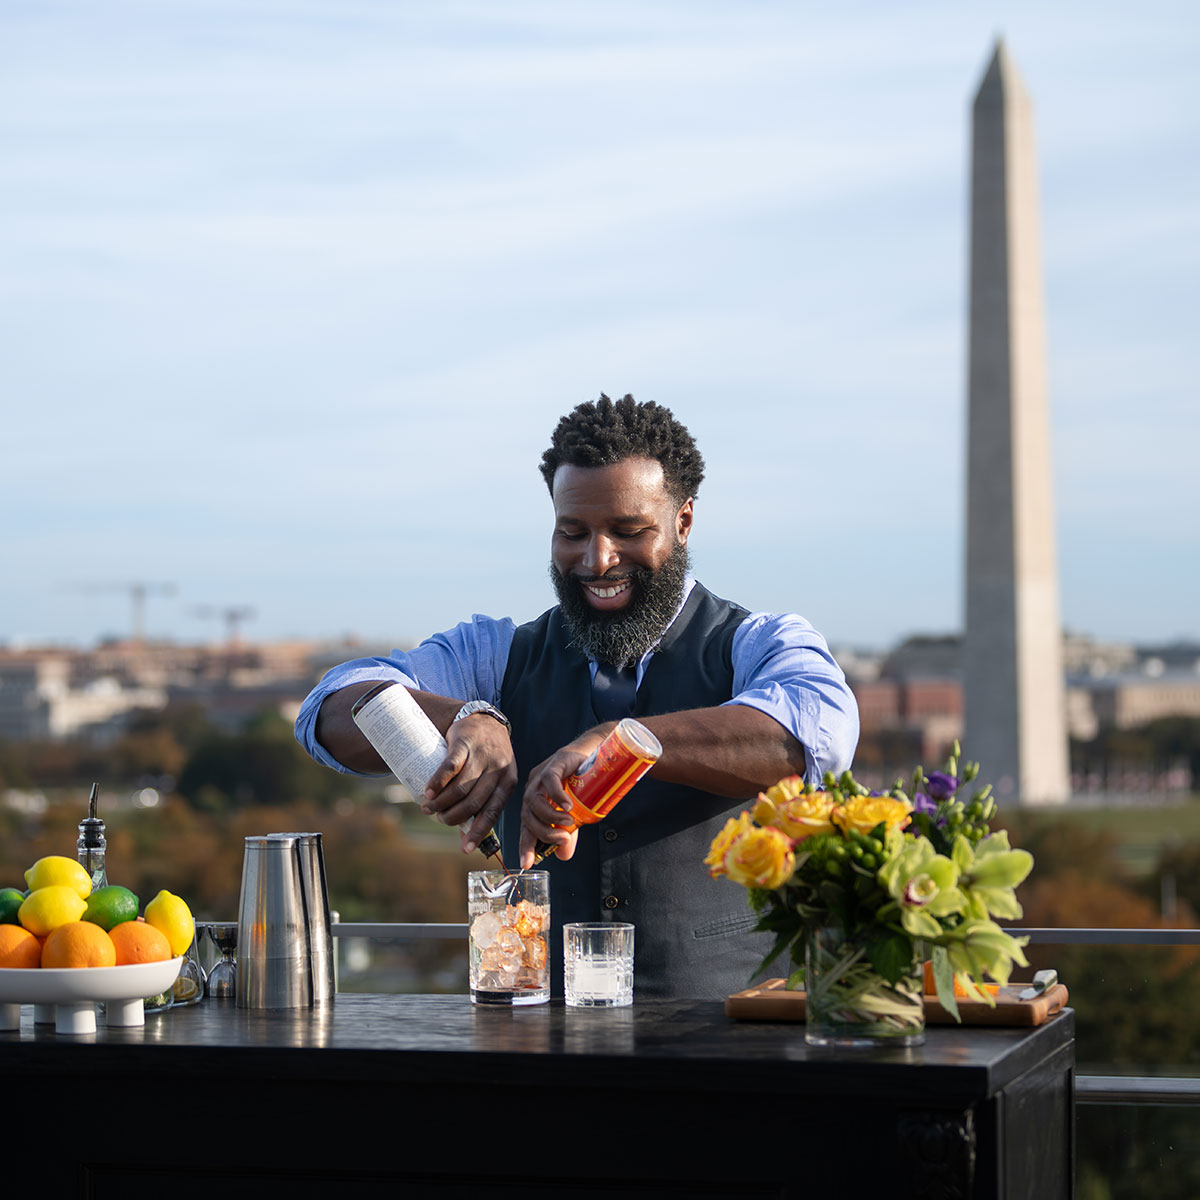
{"x":618,"y":556}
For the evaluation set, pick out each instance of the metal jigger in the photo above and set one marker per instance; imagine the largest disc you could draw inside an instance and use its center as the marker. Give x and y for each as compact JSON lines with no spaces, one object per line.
{"x":222,"y":979}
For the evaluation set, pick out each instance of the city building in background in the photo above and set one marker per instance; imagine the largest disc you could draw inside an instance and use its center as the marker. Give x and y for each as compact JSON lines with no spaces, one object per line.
{"x":910,"y":697}
{"x":911,"y":706}
{"x":60,"y":694}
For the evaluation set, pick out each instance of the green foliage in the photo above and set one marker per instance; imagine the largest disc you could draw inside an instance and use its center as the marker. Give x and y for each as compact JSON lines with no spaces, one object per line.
{"x":890,"y":954}
{"x":1135,"y":1005}
{"x":943,"y":980}
{"x":262,"y":765}
{"x":1134,"y":1151}
{"x":1180,"y":863}
{"x":376,"y":870}
{"x":14,"y":766}
{"x":784,"y":938}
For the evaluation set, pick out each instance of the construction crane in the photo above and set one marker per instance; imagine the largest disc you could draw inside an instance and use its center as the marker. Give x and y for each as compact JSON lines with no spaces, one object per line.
{"x":137,"y":592}
{"x":232,"y":616}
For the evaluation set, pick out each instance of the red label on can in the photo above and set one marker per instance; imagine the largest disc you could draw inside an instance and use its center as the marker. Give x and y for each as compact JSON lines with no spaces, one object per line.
{"x":613,"y":768}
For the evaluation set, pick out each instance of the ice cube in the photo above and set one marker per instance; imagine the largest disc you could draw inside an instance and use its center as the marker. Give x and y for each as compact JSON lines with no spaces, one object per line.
{"x":534,"y":953}
{"x":508,"y":941}
{"x":484,"y":929}
{"x":529,"y":918}
{"x":492,"y":958}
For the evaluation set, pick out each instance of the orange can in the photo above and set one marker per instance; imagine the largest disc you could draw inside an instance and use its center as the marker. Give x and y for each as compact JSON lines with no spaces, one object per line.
{"x":611,"y":770}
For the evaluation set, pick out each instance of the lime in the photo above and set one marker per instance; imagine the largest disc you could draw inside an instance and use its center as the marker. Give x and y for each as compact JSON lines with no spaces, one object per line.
{"x":172,"y":917}
{"x":57,"y":871}
{"x":111,"y":905}
{"x":10,"y":901}
{"x":49,"y":907}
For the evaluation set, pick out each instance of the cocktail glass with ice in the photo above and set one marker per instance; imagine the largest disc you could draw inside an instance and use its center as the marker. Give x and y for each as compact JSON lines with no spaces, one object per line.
{"x":509,"y":918}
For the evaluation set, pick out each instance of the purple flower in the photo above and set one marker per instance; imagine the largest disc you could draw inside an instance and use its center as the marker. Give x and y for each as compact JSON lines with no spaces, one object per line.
{"x":941,"y":786}
{"x":923,"y":804}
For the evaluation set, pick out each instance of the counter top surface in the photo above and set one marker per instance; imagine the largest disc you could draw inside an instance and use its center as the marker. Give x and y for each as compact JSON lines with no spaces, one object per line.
{"x":382,"y":1035}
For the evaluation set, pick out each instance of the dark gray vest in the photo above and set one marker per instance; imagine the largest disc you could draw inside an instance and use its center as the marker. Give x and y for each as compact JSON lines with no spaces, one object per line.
{"x":645,"y":862}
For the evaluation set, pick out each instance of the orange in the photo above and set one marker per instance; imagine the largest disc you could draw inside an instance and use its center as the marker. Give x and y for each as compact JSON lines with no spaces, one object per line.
{"x":18,"y":951}
{"x":79,"y":944}
{"x":959,"y":990}
{"x":138,"y":942}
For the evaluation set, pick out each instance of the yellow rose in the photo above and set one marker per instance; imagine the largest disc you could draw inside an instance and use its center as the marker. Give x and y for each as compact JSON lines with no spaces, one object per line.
{"x":785,"y":789}
{"x":865,"y":812}
{"x":760,"y":858}
{"x":765,"y":811}
{"x":734,"y":828}
{"x":800,"y":817}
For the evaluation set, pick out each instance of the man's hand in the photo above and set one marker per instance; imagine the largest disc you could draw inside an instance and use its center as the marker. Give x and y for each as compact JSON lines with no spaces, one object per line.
{"x":545,"y":807}
{"x":475,"y":779}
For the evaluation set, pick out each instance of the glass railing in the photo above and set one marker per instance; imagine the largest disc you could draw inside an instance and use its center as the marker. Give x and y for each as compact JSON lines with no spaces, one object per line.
{"x":1137,"y":1084}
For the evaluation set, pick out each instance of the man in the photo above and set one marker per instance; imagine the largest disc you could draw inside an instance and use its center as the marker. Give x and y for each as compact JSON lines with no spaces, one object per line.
{"x":737,"y":699}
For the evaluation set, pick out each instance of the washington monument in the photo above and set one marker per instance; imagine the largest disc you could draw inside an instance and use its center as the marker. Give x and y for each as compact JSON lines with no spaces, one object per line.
{"x":1015,"y":706}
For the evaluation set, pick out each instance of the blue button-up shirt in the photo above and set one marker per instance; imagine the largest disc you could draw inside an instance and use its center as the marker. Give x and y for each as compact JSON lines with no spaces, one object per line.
{"x":781,"y":666}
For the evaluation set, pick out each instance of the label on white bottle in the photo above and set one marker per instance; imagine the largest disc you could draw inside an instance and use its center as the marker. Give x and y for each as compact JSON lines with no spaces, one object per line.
{"x":406,"y":739}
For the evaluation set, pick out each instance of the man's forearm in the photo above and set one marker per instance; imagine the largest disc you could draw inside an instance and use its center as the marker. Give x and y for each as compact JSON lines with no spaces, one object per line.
{"x":337,"y":732}
{"x":732,"y":750}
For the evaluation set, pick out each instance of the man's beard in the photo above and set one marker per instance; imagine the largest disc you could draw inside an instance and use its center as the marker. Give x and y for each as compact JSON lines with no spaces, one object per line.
{"x":623,"y":636}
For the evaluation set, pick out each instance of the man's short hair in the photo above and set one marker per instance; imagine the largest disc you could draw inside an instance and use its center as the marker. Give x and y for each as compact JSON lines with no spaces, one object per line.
{"x":609,"y":431}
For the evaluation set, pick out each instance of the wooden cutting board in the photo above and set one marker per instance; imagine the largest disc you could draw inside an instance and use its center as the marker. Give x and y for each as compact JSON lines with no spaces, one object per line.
{"x":771,"y":1001}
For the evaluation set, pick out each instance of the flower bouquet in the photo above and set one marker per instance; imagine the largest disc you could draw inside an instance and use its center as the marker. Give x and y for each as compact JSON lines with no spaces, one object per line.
{"x":859,"y":887}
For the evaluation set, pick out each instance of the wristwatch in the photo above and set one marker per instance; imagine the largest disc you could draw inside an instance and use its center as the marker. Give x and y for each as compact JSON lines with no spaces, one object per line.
{"x":482,"y":706}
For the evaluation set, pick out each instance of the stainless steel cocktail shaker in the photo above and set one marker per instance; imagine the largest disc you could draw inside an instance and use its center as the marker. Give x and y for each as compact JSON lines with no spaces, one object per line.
{"x":285,"y":950}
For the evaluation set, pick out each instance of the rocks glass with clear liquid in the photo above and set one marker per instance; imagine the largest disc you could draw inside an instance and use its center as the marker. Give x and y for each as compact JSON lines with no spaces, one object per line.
{"x":509,"y":915}
{"x":598,"y":964}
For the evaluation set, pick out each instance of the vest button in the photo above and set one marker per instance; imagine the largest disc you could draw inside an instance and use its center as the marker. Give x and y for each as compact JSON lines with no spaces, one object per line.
{"x":610,"y":835}
{"x":611,"y":902}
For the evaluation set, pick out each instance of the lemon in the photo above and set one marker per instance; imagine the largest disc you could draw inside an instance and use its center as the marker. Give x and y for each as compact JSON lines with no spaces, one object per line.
{"x":183,"y":990}
{"x":172,"y":918}
{"x":49,"y":907}
{"x":57,"y":871}
{"x":111,"y":905}
{"x":10,"y":900}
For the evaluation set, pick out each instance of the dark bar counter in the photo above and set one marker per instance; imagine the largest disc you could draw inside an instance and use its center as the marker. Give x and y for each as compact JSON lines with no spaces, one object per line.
{"x":667,"y":1098}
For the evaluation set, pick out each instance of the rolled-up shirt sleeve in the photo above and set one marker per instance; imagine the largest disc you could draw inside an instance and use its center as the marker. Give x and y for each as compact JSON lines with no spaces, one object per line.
{"x":466,"y":662}
{"x":782,"y":667}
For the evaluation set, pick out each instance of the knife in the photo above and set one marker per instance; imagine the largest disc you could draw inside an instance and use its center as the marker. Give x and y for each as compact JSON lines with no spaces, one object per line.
{"x":1042,"y":982}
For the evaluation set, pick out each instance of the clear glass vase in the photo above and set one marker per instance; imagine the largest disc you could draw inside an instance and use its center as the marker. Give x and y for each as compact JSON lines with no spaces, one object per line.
{"x":849,"y":1005}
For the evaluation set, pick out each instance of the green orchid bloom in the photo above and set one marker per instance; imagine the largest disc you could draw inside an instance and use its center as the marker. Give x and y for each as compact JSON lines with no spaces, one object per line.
{"x":979,"y":948}
{"x":923,"y":885}
{"x":988,"y":873}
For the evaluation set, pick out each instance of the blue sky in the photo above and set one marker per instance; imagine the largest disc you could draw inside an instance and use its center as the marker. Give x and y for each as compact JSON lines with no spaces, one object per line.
{"x":292,"y":295}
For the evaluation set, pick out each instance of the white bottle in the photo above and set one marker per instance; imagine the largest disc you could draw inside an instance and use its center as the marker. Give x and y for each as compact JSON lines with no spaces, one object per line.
{"x":408,"y":741}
